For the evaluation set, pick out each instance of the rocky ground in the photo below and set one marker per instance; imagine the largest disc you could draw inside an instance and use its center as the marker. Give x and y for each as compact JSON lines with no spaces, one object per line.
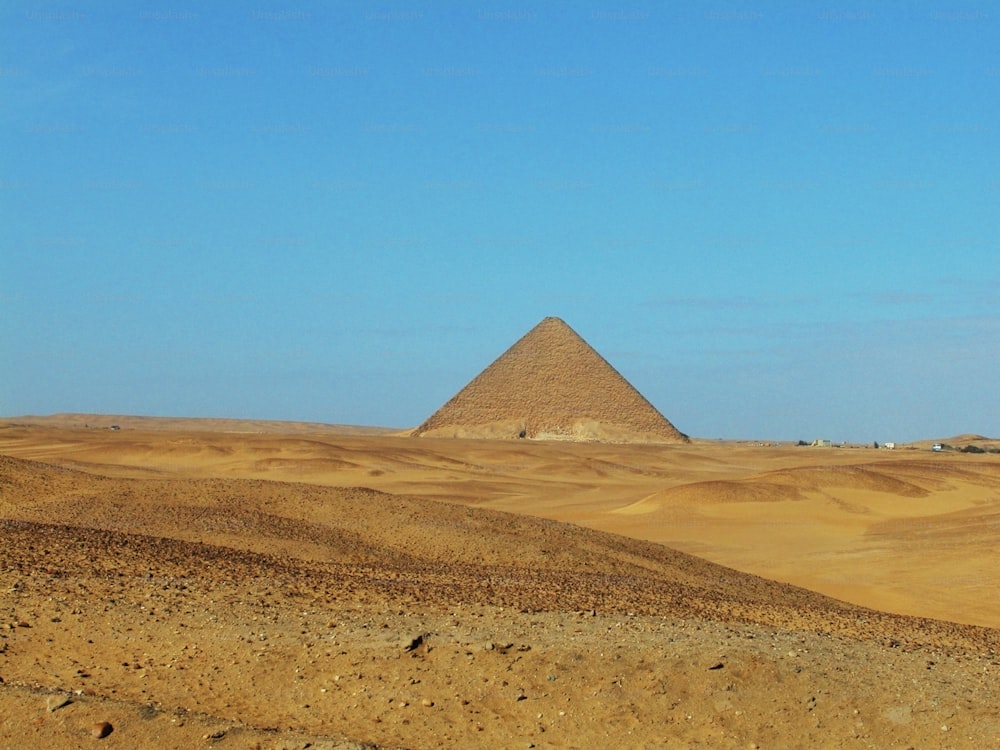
{"x":241,"y":613}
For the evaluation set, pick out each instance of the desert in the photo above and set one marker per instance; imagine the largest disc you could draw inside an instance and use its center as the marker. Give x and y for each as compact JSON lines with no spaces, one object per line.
{"x":553,"y":375}
{"x":203,"y":583}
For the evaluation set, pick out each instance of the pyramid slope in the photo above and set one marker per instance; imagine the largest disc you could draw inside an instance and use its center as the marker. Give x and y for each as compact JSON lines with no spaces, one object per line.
{"x":551,"y":384}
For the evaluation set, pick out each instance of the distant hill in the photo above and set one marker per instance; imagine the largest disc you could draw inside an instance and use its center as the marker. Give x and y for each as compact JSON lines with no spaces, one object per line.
{"x":206,"y":424}
{"x":960,"y":442}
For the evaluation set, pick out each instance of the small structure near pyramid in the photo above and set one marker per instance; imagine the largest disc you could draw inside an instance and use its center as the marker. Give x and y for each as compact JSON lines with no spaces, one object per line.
{"x":551,"y":385}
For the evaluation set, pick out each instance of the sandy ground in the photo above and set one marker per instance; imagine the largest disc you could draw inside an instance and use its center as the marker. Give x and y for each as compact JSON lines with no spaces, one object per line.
{"x":288,"y":587}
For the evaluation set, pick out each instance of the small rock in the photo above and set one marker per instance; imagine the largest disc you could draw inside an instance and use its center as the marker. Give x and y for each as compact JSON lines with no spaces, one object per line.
{"x":101,"y":729}
{"x":718,"y":665}
{"x":427,"y":702}
{"x":417,"y":646}
{"x":218,"y":734}
{"x":55,"y":702}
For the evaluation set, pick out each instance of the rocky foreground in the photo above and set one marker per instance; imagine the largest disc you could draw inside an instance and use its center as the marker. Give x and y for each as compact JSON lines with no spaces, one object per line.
{"x":245,"y":613}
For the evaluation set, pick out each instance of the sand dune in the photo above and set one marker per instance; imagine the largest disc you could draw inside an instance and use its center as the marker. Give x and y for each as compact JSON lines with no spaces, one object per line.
{"x":818,"y":518}
{"x":272,"y":588}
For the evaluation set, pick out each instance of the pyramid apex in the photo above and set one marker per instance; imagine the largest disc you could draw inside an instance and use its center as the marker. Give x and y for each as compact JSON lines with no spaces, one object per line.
{"x":554,"y":323}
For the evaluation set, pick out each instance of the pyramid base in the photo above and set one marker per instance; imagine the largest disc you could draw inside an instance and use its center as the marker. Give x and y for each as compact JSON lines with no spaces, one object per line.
{"x":580,"y":431}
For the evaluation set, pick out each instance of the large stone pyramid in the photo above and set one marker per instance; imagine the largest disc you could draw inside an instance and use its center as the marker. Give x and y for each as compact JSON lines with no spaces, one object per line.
{"x":551,"y":385}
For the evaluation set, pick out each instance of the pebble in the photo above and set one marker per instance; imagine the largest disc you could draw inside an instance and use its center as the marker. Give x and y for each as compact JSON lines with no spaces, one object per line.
{"x":101,"y":729}
{"x":55,"y":702}
{"x":427,"y":702}
{"x":413,"y":643}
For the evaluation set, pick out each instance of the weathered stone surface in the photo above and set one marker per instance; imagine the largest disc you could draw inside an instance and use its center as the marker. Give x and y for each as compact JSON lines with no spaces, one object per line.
{"x":552,"y":385}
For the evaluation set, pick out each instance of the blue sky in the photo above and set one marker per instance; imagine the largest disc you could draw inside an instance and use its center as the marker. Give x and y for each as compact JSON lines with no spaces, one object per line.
{"x":777,"y":220}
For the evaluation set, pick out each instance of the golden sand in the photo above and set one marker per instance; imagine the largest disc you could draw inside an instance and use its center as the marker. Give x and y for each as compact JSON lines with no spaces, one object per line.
{"x":193,"y":587}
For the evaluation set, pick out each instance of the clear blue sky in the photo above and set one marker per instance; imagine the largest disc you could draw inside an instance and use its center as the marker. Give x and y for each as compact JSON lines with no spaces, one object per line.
{"x":777,"y":220}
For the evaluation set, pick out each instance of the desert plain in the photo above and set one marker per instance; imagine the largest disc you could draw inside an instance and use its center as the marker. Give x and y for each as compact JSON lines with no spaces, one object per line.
{"x":204,"y":583}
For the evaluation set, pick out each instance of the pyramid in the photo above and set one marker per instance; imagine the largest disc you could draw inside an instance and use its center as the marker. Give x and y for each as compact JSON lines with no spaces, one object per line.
{"x":551,"y":385}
